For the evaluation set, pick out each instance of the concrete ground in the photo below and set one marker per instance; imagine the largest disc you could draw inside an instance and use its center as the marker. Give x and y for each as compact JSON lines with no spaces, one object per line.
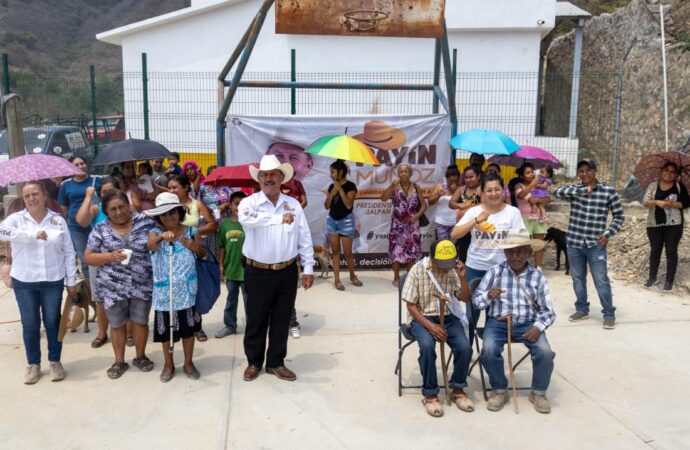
{"x":624,"y":388}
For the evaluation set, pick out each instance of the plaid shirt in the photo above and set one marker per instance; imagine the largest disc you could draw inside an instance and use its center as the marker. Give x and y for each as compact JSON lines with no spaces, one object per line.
{"x":418,"y":287}
{"x":589,"y":213}
{"x":526,"y":297}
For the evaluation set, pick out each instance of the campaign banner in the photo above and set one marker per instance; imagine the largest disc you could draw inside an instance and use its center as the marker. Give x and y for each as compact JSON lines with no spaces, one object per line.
{"x":420,"y":141}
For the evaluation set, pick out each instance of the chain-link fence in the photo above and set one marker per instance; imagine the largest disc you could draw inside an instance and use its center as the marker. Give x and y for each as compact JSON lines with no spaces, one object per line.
{"x":180,"y":109}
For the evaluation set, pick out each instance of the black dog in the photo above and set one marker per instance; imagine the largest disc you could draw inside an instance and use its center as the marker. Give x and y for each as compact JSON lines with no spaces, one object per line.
{"x":559,"y":238}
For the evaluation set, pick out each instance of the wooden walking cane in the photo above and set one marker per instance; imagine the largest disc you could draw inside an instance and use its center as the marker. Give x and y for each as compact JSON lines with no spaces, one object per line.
{"x":444,"y":366}
{"x":509,"y":320}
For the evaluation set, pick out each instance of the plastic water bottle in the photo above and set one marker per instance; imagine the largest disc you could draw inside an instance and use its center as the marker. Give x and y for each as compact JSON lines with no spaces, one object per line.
{"x":669,"y":211}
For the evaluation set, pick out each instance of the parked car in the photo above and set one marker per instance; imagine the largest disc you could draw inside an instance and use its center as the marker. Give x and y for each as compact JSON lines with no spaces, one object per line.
{"x":108,"y":128}
{"x":57,"y":140}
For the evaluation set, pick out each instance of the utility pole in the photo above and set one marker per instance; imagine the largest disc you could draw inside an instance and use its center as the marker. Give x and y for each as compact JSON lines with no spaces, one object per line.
{"x":15,"y":135}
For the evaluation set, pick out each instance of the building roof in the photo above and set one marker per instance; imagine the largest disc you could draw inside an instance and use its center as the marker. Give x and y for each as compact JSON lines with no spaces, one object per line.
{"x":116,"y":35}
{"x":566,"y":10}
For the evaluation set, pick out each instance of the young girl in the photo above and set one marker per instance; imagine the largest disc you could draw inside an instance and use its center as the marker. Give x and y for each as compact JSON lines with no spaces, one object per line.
{"x":541,"y":191}
{"x":186,"y":321}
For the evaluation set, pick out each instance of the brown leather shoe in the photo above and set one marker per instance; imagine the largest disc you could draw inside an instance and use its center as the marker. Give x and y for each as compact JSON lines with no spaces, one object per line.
{"x":251,"y":373}
{"x":283,"y":373}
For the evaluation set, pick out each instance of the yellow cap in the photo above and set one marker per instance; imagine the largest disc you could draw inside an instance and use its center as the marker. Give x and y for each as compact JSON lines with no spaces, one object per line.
{"x":444,"y":254}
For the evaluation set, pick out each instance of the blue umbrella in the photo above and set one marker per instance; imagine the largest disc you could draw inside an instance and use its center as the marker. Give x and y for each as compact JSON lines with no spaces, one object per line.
{"x":485,"y":142}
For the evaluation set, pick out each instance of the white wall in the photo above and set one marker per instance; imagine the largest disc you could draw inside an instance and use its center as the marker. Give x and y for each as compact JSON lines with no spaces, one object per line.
{"x":487,"y":43}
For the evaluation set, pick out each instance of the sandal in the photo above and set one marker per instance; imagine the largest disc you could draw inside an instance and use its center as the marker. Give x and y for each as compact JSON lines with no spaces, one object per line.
{"x":433,"y":406}
{"x":355,"y":281}
{"x":165,"y":377}
{"x":463,"y":402}
{"x":98,"y":342}
{"x":339,"y":286}
{"x":143,"y":363}
{"x":130,"y":341}
{"x":201,"y":336}
{"x":117,"y":369}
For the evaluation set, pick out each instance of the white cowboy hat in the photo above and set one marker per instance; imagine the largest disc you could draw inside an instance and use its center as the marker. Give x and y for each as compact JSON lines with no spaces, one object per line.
{"x":165,"y":201}
{"x":271,"y":162}
{"x":519,"y":238}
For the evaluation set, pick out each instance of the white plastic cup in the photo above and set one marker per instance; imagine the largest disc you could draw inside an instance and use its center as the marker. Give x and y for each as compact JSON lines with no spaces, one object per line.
{"x":128,"y":254}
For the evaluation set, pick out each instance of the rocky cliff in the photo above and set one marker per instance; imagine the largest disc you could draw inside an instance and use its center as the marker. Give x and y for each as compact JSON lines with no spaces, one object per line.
{"x":606,"y":39}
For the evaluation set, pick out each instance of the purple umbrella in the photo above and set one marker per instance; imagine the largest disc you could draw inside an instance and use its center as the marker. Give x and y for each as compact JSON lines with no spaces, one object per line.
{"x":35,"y":167}
{"x":535,"y":155}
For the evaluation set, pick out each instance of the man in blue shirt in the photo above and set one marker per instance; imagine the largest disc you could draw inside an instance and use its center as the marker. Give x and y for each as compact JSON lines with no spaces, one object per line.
{"x":70,"y":197}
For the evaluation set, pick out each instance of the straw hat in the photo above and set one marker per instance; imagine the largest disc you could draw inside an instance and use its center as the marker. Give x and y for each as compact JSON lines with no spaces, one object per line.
{"x":271,"y":162}
{"x":519,"y":238}
{"x":379,"y":134}
{"x":164,"y":202}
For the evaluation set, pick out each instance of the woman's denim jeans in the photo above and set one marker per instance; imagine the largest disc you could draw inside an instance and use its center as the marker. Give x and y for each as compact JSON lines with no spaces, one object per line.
{"x":38,"y":299}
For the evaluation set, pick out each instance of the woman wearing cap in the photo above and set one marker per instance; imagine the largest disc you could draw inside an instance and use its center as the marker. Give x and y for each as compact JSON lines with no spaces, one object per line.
{"x":91,"y":214}
{"x":118,"y":246}
{"x":171,"y":235}
{"x":666,"y":200}
{"x":340,"y":224}
{"x":441,"y":196}
{"x":488,"y":224}
{"x":405,"y":239}
{"x":43,"y":263}
{"x":465,"y":197}
{"x":197,"y":216}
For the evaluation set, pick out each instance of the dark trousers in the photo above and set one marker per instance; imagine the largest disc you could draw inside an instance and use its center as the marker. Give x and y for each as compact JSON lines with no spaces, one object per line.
{"x":271,"y":299}
{"x":463,"y":245}
{"x":660,"y":237}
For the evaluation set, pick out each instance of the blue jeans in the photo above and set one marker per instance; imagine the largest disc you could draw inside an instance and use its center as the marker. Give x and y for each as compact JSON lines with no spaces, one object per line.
{"x":473,"y":312}
{"x":496,"y":336}
{"x":35,"y":300}
{"x":462,"y":353}
{"x":79,"y":240}
{"x":230,"y":313}
{"x":596,"y":258}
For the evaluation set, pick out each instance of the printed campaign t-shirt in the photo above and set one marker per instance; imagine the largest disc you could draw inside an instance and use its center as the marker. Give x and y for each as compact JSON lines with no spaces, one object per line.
{"x":483,"y":253}
{"x":231,"y":238}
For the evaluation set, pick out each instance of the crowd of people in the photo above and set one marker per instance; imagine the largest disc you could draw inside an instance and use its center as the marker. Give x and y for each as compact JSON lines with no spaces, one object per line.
{"x":140,"y":233}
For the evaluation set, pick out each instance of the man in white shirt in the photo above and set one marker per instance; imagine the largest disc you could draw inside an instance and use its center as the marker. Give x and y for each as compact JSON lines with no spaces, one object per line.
{"x":276,"y":233}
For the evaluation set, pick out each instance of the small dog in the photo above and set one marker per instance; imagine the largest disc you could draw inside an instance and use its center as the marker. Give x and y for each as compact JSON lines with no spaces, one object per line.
{"x":322,"y":255}
{"x":559,"y":238}
{"x":83,"y":300}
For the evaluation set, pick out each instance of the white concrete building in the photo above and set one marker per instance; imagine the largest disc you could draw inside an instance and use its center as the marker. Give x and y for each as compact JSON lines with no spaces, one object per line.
{"x":498,"y":61}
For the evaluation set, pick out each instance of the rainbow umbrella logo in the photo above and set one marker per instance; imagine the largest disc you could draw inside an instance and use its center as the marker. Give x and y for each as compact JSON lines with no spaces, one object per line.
{"x":344,"y":147}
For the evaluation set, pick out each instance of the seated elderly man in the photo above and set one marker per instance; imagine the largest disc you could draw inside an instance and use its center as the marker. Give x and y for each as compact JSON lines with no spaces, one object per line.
{"x":516,"y":288}
{"x":439,"y":275}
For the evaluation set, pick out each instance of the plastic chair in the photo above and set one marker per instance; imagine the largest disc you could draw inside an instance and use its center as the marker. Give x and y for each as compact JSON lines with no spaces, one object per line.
{"x":479,"y":333}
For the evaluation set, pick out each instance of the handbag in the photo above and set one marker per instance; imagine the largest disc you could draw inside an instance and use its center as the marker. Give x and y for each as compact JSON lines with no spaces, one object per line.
{"x":423,"y":219}
{"x":208,"y":284}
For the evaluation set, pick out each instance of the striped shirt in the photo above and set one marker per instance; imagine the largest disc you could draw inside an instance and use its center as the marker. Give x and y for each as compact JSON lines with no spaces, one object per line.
{"x":526,"y":296}
{"x":418,"y":288}
{"x":589,"y":213}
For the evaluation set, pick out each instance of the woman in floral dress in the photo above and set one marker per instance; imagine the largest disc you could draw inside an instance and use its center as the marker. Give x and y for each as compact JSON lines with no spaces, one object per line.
{"x":405,"y":239}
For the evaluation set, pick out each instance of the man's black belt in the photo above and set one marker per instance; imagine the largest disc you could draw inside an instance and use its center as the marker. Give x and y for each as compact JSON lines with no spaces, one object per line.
{"x":276,"y":266}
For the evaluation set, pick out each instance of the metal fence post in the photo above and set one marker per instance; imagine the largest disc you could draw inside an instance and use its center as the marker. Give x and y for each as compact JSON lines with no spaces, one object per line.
{"x":437,"y":73}
{"x":92,"y":76}
{"x":293,"y":78}
{"x":145,"y":94}
{"x":5,"y":74}
{"x":455,"y":69}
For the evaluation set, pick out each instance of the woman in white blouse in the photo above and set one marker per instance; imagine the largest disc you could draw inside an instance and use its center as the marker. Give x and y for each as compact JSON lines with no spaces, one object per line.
{"x":43,"y":262}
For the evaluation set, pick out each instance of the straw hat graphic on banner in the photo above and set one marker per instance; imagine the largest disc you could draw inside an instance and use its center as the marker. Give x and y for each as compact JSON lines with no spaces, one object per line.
{"x":379,"y":134}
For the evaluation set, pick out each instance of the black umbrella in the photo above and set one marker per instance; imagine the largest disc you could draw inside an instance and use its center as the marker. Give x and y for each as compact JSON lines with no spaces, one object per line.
{"x":131,"y":150}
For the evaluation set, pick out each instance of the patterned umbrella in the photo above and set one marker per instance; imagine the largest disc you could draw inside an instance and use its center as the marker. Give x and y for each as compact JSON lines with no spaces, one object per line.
{"x":535,"y":155}
{"x":35,"y":167}
{"x":343,"y":147}
{"x":649,"y":167}
{"x":485,"y":142}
